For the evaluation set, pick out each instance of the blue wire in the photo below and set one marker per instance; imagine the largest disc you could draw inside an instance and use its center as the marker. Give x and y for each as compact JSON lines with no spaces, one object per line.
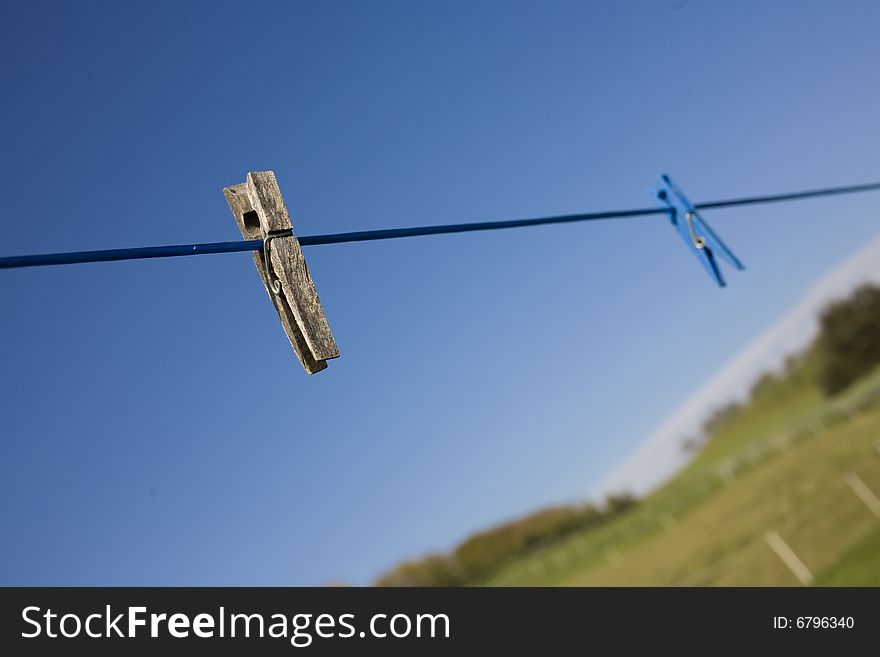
{"x":109,"y":255}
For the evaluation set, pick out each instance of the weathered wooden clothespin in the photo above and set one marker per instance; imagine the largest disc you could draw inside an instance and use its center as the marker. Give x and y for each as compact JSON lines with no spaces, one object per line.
{"x":260,"y":213}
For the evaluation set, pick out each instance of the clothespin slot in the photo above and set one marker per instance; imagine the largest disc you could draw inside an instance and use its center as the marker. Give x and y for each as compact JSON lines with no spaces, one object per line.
{"x":697,"y":234}
{"x":260,"y":213}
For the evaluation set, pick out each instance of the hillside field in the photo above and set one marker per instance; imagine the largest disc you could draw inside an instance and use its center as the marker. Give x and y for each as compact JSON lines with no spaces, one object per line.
{"x":783,"y":464}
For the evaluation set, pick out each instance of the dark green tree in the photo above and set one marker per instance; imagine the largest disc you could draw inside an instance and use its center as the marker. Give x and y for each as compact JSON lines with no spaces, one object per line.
{"x":849,"y":338}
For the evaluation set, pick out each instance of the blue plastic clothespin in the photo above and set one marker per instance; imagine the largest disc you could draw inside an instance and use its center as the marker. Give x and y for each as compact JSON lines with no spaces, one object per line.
{"x":697,"y":234}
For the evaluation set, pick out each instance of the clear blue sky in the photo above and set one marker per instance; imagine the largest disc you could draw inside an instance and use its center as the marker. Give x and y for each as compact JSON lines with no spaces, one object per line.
{"x":156,"y":427}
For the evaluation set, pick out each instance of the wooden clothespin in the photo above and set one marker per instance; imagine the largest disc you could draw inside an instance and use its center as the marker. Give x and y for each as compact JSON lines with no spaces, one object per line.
{"x":694,"y":230}
{"x":260,"y":213}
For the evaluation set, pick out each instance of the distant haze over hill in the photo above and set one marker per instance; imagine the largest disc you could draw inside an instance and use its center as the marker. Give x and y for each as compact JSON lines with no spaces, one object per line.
{"x":660,"y":454}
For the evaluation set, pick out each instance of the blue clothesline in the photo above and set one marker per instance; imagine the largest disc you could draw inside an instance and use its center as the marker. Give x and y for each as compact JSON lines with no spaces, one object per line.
{"x":109,"y":255}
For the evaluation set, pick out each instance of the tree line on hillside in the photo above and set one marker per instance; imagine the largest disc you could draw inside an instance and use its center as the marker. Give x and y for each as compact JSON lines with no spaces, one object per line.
{"x":847,"y":347}
{"x":478,"y":556}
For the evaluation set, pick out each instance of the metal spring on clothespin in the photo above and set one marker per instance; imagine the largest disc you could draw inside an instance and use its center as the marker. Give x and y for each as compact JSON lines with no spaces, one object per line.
{"x":699,"y":241}
{"x":272,"y":280}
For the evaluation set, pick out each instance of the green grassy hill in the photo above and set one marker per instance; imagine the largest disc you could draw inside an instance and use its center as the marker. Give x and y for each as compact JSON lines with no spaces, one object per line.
{"x":795,"y":469}
{"x":776,"y":465}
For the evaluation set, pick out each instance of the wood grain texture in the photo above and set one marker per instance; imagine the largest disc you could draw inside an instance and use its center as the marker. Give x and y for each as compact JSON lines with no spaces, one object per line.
{"x":290,"y":266}
{"x":250,"y":226}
